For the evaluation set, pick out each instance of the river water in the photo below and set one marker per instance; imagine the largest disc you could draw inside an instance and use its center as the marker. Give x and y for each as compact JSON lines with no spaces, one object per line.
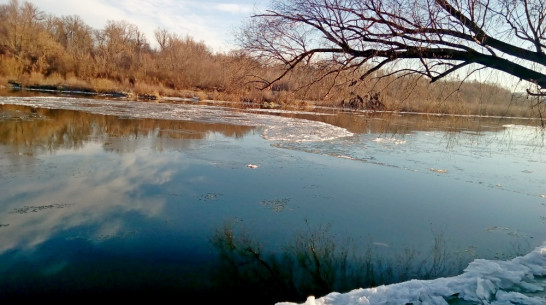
{"x":117,"y":198}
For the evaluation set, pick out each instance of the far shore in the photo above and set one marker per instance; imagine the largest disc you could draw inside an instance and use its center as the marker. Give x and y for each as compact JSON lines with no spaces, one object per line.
{"x":159,"y":93}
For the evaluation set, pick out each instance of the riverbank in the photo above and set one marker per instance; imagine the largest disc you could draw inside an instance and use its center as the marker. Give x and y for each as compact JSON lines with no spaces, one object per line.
{"x":79,"y":90}
{"x":518,"y":106}
{"x":156,"y":93}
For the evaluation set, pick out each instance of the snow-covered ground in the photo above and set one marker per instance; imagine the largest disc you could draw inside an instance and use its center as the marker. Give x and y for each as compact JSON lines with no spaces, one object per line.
{"x":521,"y":280}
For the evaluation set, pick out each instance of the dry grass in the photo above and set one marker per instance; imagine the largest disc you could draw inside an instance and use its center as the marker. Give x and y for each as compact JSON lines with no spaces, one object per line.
{"x":408,"y":96}
{"x":10,"y":67}
{"x":104,"y":85}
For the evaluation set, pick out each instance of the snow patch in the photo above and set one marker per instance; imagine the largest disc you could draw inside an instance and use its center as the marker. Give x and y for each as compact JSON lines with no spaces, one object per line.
{"x":493,"y":282}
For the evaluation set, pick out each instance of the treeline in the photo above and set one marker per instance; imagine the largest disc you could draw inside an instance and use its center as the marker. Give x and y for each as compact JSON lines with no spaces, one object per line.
{"x":37,"y":48}
{"x":40,"y":48}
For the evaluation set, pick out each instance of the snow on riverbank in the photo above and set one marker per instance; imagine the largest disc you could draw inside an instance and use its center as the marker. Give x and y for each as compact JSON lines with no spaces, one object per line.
{"x":521,"y":280}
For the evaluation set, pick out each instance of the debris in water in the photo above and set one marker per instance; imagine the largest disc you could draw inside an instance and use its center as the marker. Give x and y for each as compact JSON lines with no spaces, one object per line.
{"x":381,"y":244}
{"x":210,"y":196}
{"x":276,"y":205}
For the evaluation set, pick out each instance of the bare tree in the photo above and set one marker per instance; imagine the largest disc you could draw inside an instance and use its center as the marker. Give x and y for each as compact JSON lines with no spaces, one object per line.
{"x":431,"y":38}
{"x":76,"y":39}
{"x":183,"y":60}
{"x":20,"y":26}
{"x":119,"y":48}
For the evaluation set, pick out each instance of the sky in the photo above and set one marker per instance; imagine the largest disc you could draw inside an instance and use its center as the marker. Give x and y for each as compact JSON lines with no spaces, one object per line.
{"x":213,"y":22}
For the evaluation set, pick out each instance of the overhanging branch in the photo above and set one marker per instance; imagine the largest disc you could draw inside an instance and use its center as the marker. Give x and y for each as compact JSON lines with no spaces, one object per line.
{"x":444,"y":35}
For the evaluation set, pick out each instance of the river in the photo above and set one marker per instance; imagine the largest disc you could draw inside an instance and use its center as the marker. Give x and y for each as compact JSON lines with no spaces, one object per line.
{"x":217,"y":200}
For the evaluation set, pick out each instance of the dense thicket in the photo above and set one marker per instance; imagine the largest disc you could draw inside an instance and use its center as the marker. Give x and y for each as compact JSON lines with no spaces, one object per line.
{"x":34,"y":45}
{"x":37,"y":48}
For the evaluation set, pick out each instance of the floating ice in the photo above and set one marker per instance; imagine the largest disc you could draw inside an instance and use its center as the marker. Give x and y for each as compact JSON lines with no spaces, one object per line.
{"x":298,"y":130}
{"x":521,"y":280}
{"x":389,"y":141}
{"x":276,"y":128}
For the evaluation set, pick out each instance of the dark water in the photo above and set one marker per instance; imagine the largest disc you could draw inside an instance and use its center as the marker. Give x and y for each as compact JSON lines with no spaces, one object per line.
{"x":101,"y":199}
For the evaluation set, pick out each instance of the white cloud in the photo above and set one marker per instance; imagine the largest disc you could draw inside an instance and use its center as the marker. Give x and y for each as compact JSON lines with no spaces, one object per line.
{"x":234,"y":8}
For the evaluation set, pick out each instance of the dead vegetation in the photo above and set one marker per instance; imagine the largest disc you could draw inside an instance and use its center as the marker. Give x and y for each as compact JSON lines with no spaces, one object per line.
{"x":39,"y":50}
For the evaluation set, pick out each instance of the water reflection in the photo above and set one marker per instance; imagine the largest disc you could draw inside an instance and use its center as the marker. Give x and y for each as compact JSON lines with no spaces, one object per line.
{"x":29,"y":130}
{"x":316,"y":263}
{"x":129,"y":205}
{"x":64,"y":156}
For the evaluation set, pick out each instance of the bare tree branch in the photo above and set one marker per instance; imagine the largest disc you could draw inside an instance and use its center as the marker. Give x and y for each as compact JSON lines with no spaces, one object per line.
{"x":437,"y":37}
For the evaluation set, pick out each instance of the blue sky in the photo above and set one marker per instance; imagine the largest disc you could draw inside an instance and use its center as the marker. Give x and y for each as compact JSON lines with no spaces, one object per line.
{"x":210,"y":21}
